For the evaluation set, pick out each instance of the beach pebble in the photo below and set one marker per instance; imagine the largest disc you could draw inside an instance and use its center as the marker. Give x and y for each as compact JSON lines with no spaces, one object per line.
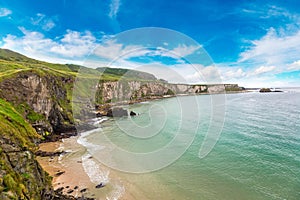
{"x":59,"y":190}
{"x":83,"y":190}
{"x":59,"y":173}
{"x":70,"y":191}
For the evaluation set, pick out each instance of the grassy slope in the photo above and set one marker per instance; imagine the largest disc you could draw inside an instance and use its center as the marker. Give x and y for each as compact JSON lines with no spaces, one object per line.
{"x":12,"y":62}
{"x":12,"y":123}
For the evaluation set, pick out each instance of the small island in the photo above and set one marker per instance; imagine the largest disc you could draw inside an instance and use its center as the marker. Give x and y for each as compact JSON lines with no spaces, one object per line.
{"x":264,"y":90}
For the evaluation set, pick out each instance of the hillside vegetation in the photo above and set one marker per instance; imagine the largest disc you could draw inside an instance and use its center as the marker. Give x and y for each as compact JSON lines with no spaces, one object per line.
{"x":20,"y":175}
{"x":12,"y":62}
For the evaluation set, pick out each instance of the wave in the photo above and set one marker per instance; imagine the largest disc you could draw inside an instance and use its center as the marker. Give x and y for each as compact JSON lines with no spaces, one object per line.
{"x":94,"y":171}
{"x":82,"y":139}
{"x":98,"y":121}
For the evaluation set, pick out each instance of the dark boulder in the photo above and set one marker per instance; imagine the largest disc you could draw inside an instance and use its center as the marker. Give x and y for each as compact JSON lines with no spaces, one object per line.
{"x":101,"y":185}
{"x":117,"y":112}
{"x":132,"y":113}
{"x":49,"y":154}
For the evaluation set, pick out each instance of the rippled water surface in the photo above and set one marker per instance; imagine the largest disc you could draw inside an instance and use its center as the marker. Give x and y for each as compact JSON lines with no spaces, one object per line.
{"x":256,"y":157}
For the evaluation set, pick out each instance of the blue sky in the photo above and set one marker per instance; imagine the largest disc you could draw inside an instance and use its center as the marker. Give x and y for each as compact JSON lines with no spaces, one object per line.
{"x":253,"y":43}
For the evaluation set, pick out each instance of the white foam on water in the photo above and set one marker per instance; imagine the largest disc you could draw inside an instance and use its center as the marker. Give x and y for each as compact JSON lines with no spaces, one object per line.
{"x":117,"y":193}
{"x":98,"y":121}
{"x":96,"y":174}
{"x":93,"y":169}
{"x":84,"y":142}
{"x":90,"y":166}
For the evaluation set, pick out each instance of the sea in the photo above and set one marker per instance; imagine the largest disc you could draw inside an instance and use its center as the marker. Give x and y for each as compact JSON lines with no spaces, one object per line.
{"x":251,"y":145}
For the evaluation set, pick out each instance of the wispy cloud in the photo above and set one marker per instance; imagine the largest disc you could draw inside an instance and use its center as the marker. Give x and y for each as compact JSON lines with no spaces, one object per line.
{"x":114,"y":8}
{"x":263,"y":69}
{"x":46,"y":23}
{"x":270,"y":11}
{"x":279,"y":12}
{"x":183,"y":50}
{"x":5,"y":12}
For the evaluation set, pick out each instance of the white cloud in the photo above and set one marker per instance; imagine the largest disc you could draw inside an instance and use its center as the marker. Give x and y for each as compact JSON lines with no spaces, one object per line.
{"x":5,"y":12}
{"x":263,"y":69}
{"x":34,"y":44}
{"x":273,"y":49}
{"x":77,"y":45}
{"x":74,"y":44}
{"x":197,"y":73}
{"x":112,"y":50}
{"x":184,"y":50}
{"x":275,"y":53}
{"x":246,"y":76}
{"x":232,"y":73}
{"x":294,"y":66}
{"x":114,"y":8}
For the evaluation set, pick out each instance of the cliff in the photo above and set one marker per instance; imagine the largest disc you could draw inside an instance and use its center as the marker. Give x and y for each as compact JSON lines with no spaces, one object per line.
{"x":21,"y":177}
{"x":42,"y":98}
{"x":116,"y":91}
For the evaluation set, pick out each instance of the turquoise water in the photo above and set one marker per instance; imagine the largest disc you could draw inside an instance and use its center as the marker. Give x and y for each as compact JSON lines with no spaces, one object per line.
{"x":256,"y":157}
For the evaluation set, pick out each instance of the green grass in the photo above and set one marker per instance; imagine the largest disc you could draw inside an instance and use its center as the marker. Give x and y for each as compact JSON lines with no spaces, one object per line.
{"x":15,"y":126}
{"x":12,"y":62}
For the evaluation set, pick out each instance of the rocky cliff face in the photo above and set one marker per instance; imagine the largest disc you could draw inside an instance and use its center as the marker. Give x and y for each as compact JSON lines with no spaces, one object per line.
{"x":42,"y":99}
{"x":21,"y":177}
{"x":115,"y":91}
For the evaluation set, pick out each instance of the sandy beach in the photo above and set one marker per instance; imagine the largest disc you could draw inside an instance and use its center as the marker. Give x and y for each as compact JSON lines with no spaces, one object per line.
{"x":70,"y":176}
{"x":67,"y":172}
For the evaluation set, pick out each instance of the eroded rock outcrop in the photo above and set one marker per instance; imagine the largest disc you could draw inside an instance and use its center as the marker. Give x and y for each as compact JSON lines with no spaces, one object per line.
{"x":42,"y":99}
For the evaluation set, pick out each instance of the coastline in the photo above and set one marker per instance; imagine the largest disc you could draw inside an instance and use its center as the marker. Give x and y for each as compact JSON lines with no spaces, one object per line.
{"x":70,"y":176}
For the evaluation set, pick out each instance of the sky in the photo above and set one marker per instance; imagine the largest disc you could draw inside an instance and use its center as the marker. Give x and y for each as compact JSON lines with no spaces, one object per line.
{"x":252,"y":43}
